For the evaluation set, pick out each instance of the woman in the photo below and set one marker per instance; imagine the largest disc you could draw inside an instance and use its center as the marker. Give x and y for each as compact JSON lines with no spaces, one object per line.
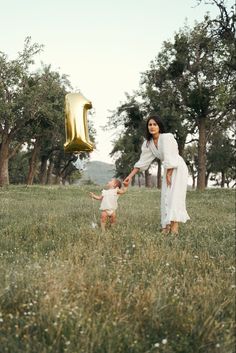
{"x":174,"y":185}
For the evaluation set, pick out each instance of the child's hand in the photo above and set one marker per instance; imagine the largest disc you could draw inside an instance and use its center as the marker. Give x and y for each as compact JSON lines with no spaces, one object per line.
{"x":91,"y":195}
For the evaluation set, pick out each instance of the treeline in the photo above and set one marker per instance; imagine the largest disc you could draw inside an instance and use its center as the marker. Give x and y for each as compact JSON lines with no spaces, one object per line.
{"x":191,"y":84}
{"x":32,"y":131}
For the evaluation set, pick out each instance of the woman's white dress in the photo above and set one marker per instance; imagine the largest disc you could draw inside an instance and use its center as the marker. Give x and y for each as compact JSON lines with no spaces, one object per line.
{"x":173,"y":206}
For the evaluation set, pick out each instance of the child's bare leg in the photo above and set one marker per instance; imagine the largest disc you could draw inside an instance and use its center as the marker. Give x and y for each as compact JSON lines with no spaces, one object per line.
{"x":103,"y":220}
{"x":113,"y":219}
{"x":174,"y":227}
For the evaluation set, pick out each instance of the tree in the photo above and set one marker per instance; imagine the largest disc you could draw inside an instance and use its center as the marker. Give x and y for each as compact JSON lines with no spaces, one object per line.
{"x":127,"y":147}
{"x":15,"y":84}
{"x":193,"y":76}
{"x":47,"y":129}
{"x":18,"y":168}
{"x":221,"y":157}
{"x":190,"y":156}
{"x":224,"y":24}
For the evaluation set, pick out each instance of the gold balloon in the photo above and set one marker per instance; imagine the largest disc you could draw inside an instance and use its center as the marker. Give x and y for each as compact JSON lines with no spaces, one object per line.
{"x":77,"y":138}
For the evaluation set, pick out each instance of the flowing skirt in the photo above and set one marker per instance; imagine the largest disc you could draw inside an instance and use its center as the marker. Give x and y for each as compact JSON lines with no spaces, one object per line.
{"x":173,"y":198}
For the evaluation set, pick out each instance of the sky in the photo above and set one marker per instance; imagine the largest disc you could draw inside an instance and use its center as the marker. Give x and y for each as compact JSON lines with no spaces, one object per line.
{"x":102,"y":45}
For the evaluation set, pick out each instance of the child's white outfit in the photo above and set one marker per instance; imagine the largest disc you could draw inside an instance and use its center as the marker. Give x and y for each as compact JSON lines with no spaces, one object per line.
{"x":109,"y":201}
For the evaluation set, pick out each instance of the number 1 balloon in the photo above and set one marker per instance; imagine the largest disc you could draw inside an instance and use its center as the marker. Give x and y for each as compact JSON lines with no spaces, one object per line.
{"x":76,"y":126}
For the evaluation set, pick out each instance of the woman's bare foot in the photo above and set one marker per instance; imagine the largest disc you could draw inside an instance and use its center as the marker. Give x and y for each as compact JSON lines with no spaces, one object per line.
{"x":166,"y":230}
{"x":174,"y":228}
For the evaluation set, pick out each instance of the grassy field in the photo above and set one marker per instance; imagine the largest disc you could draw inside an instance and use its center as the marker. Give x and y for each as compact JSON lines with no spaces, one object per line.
{"x":65,"y":287}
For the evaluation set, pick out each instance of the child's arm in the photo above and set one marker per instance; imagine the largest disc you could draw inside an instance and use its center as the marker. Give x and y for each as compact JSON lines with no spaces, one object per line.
{"x":95,"y":196}
{"x":122,"y":191}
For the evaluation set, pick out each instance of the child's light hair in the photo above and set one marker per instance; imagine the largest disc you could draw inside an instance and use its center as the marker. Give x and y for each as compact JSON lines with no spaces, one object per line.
{"x":118,"y":183}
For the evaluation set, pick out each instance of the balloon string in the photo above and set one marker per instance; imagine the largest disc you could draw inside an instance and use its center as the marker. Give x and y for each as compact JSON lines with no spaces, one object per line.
{"x":94,"y":216}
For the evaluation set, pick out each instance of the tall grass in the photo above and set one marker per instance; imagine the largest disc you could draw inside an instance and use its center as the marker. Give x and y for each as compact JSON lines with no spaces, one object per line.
{"x":66,"y":287}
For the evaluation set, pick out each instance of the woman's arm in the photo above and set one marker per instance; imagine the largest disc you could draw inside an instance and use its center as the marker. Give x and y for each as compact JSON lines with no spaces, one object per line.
{"x":130,"y":176}
{"x":143,"y":163}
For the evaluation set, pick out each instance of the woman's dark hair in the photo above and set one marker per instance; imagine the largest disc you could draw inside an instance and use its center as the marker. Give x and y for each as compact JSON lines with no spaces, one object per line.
{"x":159,"y":122}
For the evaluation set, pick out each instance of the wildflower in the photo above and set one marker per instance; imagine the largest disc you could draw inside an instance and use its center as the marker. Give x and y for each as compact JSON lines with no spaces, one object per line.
{"x":164,"y":341}
{"x":196,"y":257}
{"x":217,"y":345}
{"x":156,"y":345}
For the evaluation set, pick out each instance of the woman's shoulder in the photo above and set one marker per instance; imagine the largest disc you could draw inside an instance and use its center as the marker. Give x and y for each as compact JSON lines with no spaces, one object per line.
{"x":167,"y":136}
{"x":145,"y":144}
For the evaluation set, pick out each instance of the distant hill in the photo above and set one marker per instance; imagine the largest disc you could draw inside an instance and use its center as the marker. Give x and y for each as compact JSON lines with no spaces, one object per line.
{"x":98,"y":172}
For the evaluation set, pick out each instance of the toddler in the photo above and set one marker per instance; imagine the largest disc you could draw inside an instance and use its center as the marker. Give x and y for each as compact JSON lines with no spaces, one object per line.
{"x":109,"y":203}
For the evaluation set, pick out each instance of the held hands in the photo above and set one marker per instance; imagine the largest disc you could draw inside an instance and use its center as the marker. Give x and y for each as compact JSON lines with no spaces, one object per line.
{"x":91,"y":194}
{"x":127,"y":181}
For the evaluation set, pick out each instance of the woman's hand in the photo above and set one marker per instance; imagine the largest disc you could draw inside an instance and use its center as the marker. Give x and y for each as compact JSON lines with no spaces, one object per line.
{"x":168,"y":177}
{"x":127,"y":181}
{"x":168,"y":180}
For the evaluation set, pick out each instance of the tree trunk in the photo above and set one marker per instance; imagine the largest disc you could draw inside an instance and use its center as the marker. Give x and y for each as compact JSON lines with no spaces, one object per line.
{"x":33,"y":163}
{"x":206,"y":179}
{"x":201,"y":178}
{"x":133,"y":181}
{"x":227,"y":182}
{"x":43,"y":170}
{"x":181,"y":145}
{"x":222,"y":184}
{"x":49,"y":171}
{"x":139,"y":181}
{"x":4,"y":158}
{"x":159,"y":174}
{"x":193,"y":176}
{"x":148,"y":179}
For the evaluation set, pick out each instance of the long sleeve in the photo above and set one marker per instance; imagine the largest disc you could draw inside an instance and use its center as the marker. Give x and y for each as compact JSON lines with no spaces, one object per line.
{"x":145,"y":159}
{"x":170,"y":151}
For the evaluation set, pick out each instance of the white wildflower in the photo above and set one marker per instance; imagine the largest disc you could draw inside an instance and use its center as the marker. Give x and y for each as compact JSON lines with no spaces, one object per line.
{"x":156,"y":345}
{"x":164,"y":341}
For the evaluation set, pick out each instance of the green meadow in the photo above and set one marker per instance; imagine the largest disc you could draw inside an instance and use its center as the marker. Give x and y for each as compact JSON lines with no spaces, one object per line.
{"x":66,"y":287}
